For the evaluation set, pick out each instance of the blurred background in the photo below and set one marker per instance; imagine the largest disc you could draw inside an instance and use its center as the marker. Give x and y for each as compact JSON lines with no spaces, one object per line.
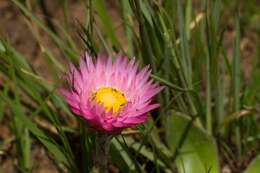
{"x":206,"y":53}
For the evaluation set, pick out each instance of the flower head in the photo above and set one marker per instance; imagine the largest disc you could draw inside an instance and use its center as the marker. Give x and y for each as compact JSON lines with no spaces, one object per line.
{"x":109,"y":95}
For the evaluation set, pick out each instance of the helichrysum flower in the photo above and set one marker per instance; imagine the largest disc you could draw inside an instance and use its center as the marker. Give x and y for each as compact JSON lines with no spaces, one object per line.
{"x":110,"y":96}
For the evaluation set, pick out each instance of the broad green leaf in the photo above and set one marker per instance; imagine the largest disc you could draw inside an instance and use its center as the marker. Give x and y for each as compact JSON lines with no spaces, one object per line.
{"x":198,"y":152}
{"x":254,"y":166}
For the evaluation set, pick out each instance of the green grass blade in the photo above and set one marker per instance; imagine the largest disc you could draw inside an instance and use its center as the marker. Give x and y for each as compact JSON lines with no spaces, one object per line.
{"x":67,"y":51}
{"x":236,"y":82}
{"x":107,"y":25}
{"x":128,"y":25}
{"x":121,"y":157}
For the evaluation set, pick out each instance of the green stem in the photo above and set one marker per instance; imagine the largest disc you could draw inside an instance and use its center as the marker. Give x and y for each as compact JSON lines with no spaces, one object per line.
{"x":102,"y":151}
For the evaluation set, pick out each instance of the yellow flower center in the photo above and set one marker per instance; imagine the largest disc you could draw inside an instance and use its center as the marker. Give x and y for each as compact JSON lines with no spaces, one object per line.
{"x":110,"y":98}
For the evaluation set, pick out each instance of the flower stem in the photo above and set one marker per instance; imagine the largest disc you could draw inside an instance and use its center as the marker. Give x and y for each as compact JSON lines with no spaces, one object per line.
{"x":102,"y":151}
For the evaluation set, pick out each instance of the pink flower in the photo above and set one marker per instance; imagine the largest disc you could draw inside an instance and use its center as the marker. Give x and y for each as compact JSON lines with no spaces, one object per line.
{"x":110,"y":96}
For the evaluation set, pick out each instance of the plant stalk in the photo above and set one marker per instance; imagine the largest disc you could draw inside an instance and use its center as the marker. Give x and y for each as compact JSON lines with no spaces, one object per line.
{"x":103,"y":141}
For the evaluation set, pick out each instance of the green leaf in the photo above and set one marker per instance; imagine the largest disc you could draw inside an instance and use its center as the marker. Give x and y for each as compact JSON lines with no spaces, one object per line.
{"x":127,"y":19}
{"x":254,"y":166}
{"x":2,"y":48}
{"x":44,"y":139}
{"x":236,"y":85}
{"x":144,"y":151}
{"x":146,"y":12}
{"x":121,"y":157}
{"x":106,"y":21}
{"x":198,"y":152}
{"x":70,"y":53}
{"x":252,"y":90}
